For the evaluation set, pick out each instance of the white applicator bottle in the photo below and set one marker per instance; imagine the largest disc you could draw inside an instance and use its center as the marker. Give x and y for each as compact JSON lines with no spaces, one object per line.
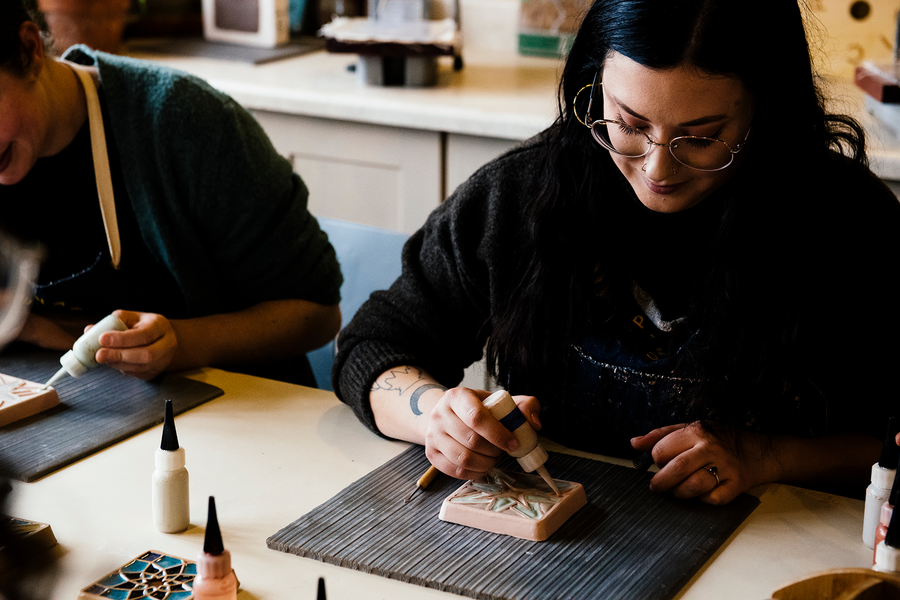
{"x":879,"y":490}
{"x":530,"y":455}
{"x":82,"y":357}
{"x":170,"y":495}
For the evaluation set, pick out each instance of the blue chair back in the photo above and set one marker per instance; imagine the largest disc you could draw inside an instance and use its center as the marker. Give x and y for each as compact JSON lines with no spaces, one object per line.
{"x":370,"y":260}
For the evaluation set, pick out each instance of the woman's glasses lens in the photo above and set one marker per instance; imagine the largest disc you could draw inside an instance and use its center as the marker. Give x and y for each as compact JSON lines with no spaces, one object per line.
{"x":620,"y":139}
{"x":705,"y":154}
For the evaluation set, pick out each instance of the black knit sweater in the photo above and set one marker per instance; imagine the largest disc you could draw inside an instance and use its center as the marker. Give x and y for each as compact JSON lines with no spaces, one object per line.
{"x":437,"y":314}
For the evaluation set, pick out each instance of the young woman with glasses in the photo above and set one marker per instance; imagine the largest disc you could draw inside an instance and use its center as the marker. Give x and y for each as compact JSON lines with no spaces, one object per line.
{"x":693,"y":261}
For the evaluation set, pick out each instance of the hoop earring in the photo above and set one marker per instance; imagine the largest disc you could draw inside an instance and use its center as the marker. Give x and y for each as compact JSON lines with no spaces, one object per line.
{"x":575,"y":101}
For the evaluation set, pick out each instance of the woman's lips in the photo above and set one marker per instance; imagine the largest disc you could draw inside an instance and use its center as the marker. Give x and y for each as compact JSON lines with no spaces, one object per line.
{"x":662,"y":189}
{"x":5,"y":158}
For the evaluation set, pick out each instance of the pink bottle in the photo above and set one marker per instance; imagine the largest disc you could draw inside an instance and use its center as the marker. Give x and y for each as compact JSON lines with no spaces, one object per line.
{"x":887,"y":552}
{"x":887,"y":510}
{"x":215,"y":578}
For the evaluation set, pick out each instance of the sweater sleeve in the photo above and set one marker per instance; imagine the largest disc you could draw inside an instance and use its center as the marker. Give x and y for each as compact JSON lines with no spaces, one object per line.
{"x":436,"y":316}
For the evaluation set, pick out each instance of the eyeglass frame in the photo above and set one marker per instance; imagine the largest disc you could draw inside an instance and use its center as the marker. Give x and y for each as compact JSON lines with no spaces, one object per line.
{"x":590,"y":125}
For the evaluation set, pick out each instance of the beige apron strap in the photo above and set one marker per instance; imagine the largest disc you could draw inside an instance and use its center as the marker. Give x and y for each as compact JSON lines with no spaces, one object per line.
{"x":101,"y":165}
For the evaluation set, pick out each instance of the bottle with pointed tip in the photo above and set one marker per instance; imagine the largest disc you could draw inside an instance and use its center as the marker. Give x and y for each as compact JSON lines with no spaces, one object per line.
{"x":215,"y":578}
{"x":530,"y":455}
{"x":887,"y":512}
{"x":887,"y":552}
{"x":82,"y":357}
{"x":170,"y":495}
{"x":882,"y":481}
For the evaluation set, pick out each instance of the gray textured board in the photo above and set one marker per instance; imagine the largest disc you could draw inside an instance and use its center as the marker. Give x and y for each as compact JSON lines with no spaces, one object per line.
{"x":627,"y":543}
{"x":95,"y":411}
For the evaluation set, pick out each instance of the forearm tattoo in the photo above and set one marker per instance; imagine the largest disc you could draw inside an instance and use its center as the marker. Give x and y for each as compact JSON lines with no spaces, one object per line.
{"x":404,"y":379}
{"x":414,"y":399}
{"x":393,"y":380}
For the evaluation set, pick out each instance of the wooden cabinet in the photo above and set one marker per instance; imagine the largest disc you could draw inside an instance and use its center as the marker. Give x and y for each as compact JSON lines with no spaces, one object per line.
{"x":467,"y":153}
{"x":389,"y":177}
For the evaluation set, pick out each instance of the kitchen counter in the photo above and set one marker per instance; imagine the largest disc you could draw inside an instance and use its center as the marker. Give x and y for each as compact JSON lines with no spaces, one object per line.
{"x":497,"y":95}
{"x":383,"y":156}
{"x":501,"y":96}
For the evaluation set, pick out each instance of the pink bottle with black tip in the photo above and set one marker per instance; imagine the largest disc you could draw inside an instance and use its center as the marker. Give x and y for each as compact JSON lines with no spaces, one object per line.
{"x":215,"y":578}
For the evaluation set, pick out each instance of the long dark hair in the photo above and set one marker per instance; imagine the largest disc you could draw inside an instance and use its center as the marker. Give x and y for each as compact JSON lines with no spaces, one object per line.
{"x":12,"y":14}
{"x":745,"y":311}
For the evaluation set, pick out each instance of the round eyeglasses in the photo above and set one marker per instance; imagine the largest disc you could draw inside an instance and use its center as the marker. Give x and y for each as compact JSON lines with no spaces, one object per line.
{"x":696,"y":152}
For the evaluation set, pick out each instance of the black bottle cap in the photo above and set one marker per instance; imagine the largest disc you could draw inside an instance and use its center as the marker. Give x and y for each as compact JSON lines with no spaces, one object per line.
{"x":169,"y":436}
{"x":895,"y":489}
{"x":212,"y":541}
{"x":892,"y":538}
{"x":890,"y":451}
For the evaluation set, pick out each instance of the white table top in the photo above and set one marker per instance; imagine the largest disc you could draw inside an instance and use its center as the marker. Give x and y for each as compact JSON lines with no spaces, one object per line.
{"x":270,"y":452}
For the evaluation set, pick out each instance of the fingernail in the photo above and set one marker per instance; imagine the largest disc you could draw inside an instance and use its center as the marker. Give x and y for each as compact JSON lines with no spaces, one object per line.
{"x":513,"y":445}
{"x":536,"y":419}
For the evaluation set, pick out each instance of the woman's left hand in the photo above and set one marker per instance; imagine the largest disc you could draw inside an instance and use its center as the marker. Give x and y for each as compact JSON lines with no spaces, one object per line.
{"x":145,"y":350}
{"x":696,"y":464}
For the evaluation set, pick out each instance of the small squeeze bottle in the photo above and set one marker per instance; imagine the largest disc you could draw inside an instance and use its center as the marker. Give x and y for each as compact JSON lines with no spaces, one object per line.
{"x":887,"y":552}
{"x":215,"y":578}
{"x":882,"y":480}
{"x":887,"y":511}
{"x":82,"y":357}
{"x":170,"y":492}
{"x":531,"y":455}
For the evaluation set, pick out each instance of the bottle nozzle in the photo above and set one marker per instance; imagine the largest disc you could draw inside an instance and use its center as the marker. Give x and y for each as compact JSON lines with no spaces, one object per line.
{"x":59,"y":375}
{"x":542,"y":471}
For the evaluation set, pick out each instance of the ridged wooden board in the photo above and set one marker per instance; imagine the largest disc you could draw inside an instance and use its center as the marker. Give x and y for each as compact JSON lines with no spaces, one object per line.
{"x":627,"y":543}
{"x":96,"y":410}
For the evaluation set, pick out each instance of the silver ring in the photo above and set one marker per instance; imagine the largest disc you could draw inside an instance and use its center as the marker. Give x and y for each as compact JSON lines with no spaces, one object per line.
{"x":714,"y":471}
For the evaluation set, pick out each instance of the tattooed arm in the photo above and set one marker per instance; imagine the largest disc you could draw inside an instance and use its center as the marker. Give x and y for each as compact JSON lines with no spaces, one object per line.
{"x":460,"y":435}
{"x":402,"y":399}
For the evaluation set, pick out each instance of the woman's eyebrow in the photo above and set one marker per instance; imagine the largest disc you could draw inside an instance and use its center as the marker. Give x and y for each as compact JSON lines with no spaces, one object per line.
{"x":692,"y":123}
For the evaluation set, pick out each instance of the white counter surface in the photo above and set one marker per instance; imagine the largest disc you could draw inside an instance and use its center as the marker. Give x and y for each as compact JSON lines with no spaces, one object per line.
{"x":496,"y":94}
{"x":509,"y":96}
{"x":270,"y":452}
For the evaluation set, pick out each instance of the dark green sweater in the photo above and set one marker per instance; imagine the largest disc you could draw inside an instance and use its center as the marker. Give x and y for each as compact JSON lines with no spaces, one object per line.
{"x":208,"y":210}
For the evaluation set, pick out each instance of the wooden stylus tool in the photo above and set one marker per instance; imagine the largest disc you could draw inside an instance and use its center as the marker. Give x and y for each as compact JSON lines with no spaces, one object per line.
{"x":423,"y":482}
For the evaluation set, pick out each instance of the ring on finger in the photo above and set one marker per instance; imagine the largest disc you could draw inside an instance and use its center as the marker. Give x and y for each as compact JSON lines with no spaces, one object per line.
{"x":714,"y":471}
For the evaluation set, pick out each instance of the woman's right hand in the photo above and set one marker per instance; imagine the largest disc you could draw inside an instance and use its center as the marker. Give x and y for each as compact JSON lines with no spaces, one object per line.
{"x":464,"y":440}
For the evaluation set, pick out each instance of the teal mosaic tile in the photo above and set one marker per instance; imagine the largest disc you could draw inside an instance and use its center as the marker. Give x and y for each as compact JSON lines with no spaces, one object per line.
{"x":151,"y":576}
